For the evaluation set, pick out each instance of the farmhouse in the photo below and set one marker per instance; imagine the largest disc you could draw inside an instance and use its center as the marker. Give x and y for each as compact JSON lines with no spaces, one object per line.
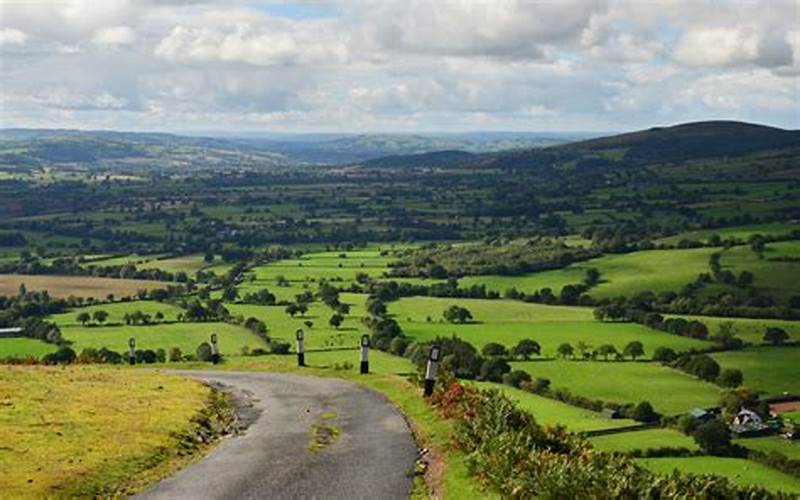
{"x":748,"y":423}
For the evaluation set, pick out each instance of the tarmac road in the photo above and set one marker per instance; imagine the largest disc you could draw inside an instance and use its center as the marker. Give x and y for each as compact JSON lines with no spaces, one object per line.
{"x":372,"y":458}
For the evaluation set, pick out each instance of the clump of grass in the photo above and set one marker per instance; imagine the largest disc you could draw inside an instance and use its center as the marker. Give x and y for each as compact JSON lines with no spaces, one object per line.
{"x":323,"y":434}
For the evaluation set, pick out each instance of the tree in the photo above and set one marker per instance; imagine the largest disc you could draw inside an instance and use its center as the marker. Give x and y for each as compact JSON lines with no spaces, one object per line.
{"x":230,"y":293}
{"x":775,"y":336}
{"x":292,"y":309}
{"x":336,"y":320}
{"x":494,"y":368}
{"x":376,"y":307}
{"x":713,"y":437}
{"x":703,"y":366}
{"x":565,"y":350}
{"x":526,"y":348}
{"x":175,"y":354}
{"x":159,"y":316}
{"x":100,"y":316}
{"x":664,"y":355}
{"x":302,"y":308}
{"x":83,"y":318}
{"x":634,"y":349}
{"x":592,"y":276}
{"x":730,"y":377}
{"x":606,"y":350}
{"x":644,"y":412}
{"x":516,"y":378}
{"x":494,"y":349}
{"x":457,"y":314}
{"x":583,"y":348}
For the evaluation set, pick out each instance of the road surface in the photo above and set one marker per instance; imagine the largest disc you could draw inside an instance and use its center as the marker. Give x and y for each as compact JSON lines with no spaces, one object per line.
{"x":372,"y":458}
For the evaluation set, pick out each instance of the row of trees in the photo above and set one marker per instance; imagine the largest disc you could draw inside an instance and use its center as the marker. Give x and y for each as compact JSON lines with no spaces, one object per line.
{"x":633,"y":350}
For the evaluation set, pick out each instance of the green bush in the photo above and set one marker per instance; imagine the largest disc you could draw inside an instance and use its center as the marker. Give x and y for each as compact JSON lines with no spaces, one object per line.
{"x":279,"y":347}
{"x":516,"y":378}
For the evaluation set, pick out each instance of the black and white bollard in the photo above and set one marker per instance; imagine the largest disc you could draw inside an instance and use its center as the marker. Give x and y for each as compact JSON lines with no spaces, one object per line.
{"x":433,"y":367}
{"x":214,"y":349}
{"x":132,"y":351}
{"x":301,"y":353}
{"x":364,"y":354}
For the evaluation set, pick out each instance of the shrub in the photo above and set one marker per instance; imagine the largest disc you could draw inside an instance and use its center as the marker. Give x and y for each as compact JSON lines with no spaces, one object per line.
{"x":644,"y":412}
{"x":398,"y":346}
{"x":175,"y":355}
{"x":147,"y":356}
{"x":203,"y":352}
{"x":730,"y":377}
{"x":516,"y":378}
{"x":664,"y":355}
{"x":259,"y":351}
{"x":494,"y":349}
{"x":713,"y":437}
{"x":279,"y":347}
{"x":63,"y":356}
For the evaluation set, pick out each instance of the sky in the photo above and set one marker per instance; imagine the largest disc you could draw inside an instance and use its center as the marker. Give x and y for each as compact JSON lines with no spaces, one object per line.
{"x":397,"y":65}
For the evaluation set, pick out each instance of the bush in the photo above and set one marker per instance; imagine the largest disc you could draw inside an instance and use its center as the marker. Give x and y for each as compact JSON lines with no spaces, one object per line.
{"x":63,"y":356}
{"x":539,"y":385}
{"x":147,"y":356}
{"x":259,"y":351}
{"x":644,"y":412}
{"x":730,"y":377}
{"x":203,"y":352}
{"x":664,"y":355}
{"x":494,"y":349}
{"x":687,"y":424}
{"x":398,"y":346}
{"x":175,"y":355}
{"x":279,"y":347}
{"x":161,"y":355}
{"x":516,"y":378}
{"x":713,"y":437}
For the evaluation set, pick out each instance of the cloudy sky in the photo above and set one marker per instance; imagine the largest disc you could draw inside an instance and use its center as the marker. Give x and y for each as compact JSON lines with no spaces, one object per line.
{"x":397,"y":65}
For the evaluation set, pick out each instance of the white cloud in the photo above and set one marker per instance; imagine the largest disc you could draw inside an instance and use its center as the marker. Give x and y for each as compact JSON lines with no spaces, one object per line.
{"x":114,"y":36}
{"x":11,"y":36}
{"x":729,"y":46}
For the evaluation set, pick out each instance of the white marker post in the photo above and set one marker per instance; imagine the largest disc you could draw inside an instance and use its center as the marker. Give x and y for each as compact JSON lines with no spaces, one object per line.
{"x":433,"y":367}
{"x":364,"y":354}
{"x":132,"y":351}
{"x":214,"y":350}
{"x":301,"y":353}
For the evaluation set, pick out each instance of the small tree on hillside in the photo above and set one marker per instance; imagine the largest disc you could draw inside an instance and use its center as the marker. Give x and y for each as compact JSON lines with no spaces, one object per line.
{"x":713,"y":437}
{"x":730,"y":377}
{"x":606,"y":350}
{"x":634,"y":349}
{"x":494,"y":368}
{"x":494,"y":349}
{"x":664,"y":355}
{"x":84,"y":318}
{"x":527,"y":348}
{"x":100,"y":316}
{"x":336,"y":320}
{"x":565,"y":350}
{"x":230,"y":293}
{"x":776,"y":336}
{"x":457,"y":314}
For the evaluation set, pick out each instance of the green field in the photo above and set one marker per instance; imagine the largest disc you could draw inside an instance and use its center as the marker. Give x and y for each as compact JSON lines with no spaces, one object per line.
{"x":321,"y":335}
{"x":740,"y":232}
{"x":117,"y":310}
{"x":738,"y":470}
{"x":507,"y":322}
{"x":643,"y":440}
{"x":186,"y":336}
{"x":669,"y":391}
{"x":748,"y":329}
{"x":21,"y":347}
{"x":551,"y":412}
{"x":771,"y":369}
{"x":768,"y":444}
{"x":777,"y":279}
{"x":621,"y":274}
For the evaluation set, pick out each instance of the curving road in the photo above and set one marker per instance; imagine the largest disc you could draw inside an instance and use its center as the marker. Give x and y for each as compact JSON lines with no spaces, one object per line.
{"x":372,"y":458}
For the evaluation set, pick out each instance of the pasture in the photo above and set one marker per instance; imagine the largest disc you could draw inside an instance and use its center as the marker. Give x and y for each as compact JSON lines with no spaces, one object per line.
{"x":738,"y":470}
{"x":621,"y":274}
{"x":551,"y":412}
{"x":771,"y":369}
{"x":185,"y":336}
{"x":507,"y":322}
{"x":117,"y":310}
{"x":669,"y":391}
{"x":748,"y":329}
{"x":767,"y":444}
{"x":54,"y":447}
{"x":22,"y":347}
{"x":643,"y":440}
{"x":775,"y":278}
{"x":78,"y":286}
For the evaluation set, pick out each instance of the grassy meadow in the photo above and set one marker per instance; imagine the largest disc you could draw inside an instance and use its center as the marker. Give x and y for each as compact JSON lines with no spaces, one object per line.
{"x":643,"y":440}
{"x":79,"y":286}
{"x":774,"y":370}
{"x":54,"y":447}
{"x":669,"y":391}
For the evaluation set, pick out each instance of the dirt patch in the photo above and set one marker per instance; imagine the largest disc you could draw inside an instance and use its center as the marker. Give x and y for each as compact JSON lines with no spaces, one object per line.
{"x":245,"y":411}
{"x":785,"y":407}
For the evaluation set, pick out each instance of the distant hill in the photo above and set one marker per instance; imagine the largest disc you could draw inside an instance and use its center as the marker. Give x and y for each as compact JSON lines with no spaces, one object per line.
{"x":442,"y":159}
{"x":691,"y":140}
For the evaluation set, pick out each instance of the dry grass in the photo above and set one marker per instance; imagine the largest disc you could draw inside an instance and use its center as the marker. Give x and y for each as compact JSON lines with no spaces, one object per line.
{"x":79,"y":286}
